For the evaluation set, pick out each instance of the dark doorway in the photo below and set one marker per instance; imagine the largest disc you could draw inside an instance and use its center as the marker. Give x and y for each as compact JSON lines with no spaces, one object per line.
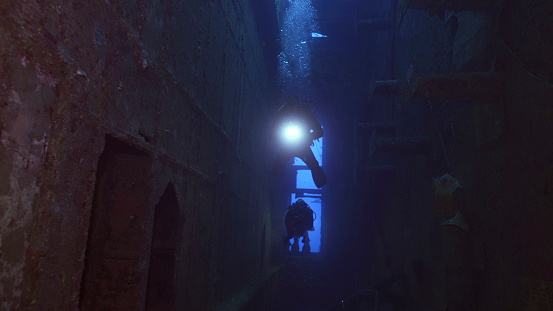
{"x":162,"y":289}
{"x":115,"y":271}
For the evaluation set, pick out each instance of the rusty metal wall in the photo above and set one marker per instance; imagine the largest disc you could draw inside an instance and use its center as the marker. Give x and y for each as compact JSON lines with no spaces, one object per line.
{"x":186,"y":84}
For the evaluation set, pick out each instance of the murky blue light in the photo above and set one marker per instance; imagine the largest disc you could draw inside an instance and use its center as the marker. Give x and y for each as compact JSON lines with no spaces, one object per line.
{"x":315,"y":204}
{"x":295,"y":59}
{"x":299,"y":27}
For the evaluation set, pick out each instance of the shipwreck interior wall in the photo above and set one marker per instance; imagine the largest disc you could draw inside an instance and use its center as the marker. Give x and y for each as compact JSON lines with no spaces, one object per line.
{"x":131,"y":156}
{"x":134,"y":161}
{"x":119,"y":234}
{"x":439,"y":90}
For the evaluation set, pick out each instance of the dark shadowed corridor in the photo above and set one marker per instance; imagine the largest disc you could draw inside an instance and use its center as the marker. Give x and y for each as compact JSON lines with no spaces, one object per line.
{"x":135,"y":155}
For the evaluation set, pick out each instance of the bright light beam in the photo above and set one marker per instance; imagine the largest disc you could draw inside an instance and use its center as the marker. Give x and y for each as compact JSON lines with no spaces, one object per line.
{"x":292,"y":134}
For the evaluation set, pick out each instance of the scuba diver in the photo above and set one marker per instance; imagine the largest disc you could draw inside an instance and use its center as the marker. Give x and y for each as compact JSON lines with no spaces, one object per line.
{"x":296,"y":127}
{"x":298,"y":220}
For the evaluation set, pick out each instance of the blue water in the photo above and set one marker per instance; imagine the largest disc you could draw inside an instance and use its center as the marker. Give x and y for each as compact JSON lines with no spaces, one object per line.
{"x":299,"y":27}
{"x":314,"y":236}
{"x":299,"y":23}
{"x":304,"y":180}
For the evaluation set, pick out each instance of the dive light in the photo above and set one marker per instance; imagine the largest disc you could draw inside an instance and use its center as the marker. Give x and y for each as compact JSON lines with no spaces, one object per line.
{"x":292,"y":133}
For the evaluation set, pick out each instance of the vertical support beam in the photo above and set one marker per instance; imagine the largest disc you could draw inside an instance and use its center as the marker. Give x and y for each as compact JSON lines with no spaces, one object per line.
{"x":371,"y":88}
